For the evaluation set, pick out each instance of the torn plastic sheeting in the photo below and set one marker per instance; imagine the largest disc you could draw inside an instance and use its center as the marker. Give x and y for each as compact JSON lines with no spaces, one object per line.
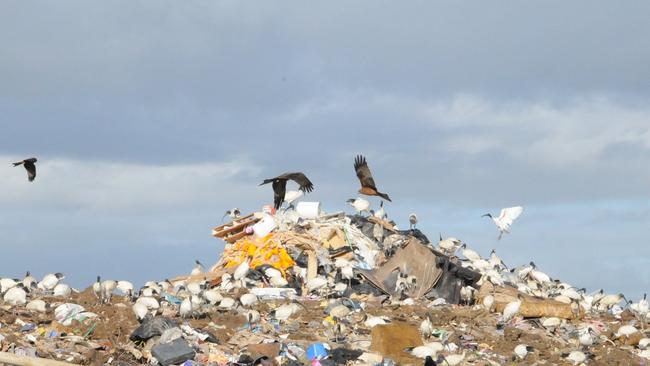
{"x":453,"y":278}
{"x":414,"y":259}
{"x":365,"y":248}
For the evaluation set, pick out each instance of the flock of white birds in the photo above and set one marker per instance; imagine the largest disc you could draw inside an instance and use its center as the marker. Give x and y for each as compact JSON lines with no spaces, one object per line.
{"x":194,"y":298}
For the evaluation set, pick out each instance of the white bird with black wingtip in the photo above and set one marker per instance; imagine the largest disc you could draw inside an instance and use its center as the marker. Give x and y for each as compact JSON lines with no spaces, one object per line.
{"x":505,"y":219}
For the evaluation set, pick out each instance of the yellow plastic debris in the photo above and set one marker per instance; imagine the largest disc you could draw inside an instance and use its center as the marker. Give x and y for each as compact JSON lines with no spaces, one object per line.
{"x":261,"y":251}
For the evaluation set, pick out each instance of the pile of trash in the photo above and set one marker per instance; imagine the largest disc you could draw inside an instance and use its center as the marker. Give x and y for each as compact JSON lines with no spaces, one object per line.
{"x":300,"y":286}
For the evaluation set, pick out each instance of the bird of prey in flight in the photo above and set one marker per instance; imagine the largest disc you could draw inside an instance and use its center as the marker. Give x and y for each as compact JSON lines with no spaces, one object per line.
{"x":29,"y":166}
{"x":365,"y":177}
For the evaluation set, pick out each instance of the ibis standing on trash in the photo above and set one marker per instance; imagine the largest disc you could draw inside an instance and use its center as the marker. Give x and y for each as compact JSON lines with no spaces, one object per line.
{"x":280,"y":185}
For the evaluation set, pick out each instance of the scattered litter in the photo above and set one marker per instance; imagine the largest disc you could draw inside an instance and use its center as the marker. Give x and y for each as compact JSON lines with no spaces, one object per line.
{"x":299,"y":286}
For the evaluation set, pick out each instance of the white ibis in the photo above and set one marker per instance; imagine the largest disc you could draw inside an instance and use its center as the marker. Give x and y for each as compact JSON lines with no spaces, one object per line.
{"x":140,"y":310}
{"x":16,"y":295}
{"x":107,"y":288}
{"x":468,"y":253}
{"x":37,"y":305}
{"x":512,"y":308}
{"x":360,"y":205}
{"x":576,"y":357}
{"x":448,"y":245}
{"x":426,"y":327}
{"x":198,"y":268}
{"x":126,"y":287}
{"x":29,"y":281}
{"x":62,"y":290}
{"x":522,"y":350}
{"x":50,"y":281}
{"x":505,"y":219}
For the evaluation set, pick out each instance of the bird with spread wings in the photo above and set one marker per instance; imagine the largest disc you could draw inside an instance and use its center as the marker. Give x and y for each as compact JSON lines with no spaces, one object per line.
{"x":29,"y":166}
{"x":280,"y":185}
{"x":365,"y":178}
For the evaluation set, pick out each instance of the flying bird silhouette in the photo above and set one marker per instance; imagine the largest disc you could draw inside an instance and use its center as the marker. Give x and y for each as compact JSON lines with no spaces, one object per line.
{"x":365,"y":178}
{"x":280,"y":185}
{"x":29,"y":166}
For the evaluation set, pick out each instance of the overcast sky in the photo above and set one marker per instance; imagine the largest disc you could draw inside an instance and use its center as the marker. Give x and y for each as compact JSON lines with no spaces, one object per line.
{"x":150,"y":119}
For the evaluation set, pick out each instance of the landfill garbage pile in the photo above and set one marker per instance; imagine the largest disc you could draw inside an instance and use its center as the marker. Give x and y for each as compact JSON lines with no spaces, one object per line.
{"x":300,"y":287}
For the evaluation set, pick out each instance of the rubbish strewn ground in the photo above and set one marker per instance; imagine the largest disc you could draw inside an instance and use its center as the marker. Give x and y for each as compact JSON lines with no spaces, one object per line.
{"x":296,"y":290}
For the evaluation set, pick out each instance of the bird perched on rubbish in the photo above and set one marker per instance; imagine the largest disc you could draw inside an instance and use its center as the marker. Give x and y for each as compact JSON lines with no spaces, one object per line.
{"x":365,"y":178}
{"x":448,"y":245}
{"x":488,"y":301}
{"x":198,"y":268}
{"x":280,"y":185}
{"x":413,"y":220}
{"x":212,"y":296}
{"x":371,"y":321}
{"x":37,"y":305}
{"x":505,"y":219}
{"x":107,"y":288}
{"x":453,"y":360}
{"x":62,"y":290}
{"x":522,"y":350}
{"x":29,"y":281}
{"x":16,"y":295}
{"x":97,"y":287}
{"x":283,"y":312}
{"x":233,"y":213}
{"x":148,"y":301}
{"x":608,"y":301}
{"x":30,"y":166}
{"x":140,"y":310}
{"x":185,"y":310}
{"x":252,"y":316}
{"x":381,"y":213}
{"x":512,"y":308}
{"x":626,"y":331}
{"x":359,"y":204}
{"x":6,"y":284}
{"x":427,"y":350}
{"x":495,"y":261}
{"x":575,"y":357}
{"x":126,"y":287}
{"x":50,"y":281}
{"x":640,"y":307}
{"x":426,"y":327}
{"x":248,"y":299}
{"x":468,"y":253}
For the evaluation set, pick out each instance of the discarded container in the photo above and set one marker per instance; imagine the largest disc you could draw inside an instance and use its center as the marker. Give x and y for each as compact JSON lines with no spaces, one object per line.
{"x":175,"y":352}
{"x":316,"y":351}
{"x":264,"y":226}
{"x":308,"y":210}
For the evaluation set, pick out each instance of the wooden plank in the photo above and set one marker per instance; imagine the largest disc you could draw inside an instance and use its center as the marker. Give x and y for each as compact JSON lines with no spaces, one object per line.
{"x":225,"y":229}
{"x":12,"y":359}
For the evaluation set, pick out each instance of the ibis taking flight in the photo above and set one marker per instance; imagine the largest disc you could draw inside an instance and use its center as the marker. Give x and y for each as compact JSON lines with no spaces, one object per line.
{"x":505,"y":218}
